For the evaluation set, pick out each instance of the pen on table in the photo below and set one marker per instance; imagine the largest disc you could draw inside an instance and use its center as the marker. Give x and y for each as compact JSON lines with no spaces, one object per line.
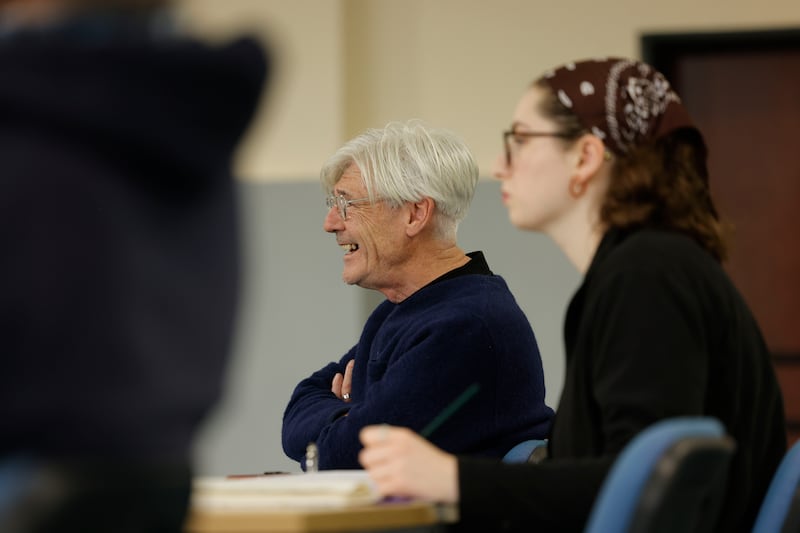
{"x":450,"y":410}
{"x":263,"y":474}
{"x":312,"y":457}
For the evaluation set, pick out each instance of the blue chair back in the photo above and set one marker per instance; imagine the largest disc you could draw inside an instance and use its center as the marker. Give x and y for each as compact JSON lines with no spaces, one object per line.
{"x":671,"y":477}
{"x":521,"y":453}
{"x":780,"y":511}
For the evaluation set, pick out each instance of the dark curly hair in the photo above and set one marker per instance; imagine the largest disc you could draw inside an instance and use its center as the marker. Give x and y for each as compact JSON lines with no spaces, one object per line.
{"x":663,"y":184}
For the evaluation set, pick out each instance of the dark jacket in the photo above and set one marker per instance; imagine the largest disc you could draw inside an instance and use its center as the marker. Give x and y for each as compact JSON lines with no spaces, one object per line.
{"x":118,"y":232}
{"x":656,"y":330}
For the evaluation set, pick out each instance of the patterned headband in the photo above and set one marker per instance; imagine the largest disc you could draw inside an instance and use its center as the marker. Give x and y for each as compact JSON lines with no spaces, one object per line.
{"x":625,"y":103}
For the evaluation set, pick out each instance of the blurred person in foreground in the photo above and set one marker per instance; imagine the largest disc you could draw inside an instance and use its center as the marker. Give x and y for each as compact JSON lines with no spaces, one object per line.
{"x":603,"y":157}
{"x":120,"y":257}
{"x":448,"y":325}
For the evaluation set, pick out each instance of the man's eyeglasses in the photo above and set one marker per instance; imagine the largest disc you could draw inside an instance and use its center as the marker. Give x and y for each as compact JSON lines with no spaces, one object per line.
{"x":342,"y":203}
{"x":519,"y":135}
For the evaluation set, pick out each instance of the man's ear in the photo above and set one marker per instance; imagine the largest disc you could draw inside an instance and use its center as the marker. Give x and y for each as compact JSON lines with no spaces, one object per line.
{"x":420,"y":215}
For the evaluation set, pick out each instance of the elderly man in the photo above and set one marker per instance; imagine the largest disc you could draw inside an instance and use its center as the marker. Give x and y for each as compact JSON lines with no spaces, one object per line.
{"x":448,"y":325}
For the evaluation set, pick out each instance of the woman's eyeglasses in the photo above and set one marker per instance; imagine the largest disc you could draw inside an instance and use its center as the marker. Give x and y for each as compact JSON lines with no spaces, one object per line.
{"x":518,"y":137}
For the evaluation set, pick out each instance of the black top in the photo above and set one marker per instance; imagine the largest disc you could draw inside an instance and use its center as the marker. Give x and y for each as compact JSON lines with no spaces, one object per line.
{"x":476,"y":265}
{"x":119,"y":236}
{"x":656,"y":330}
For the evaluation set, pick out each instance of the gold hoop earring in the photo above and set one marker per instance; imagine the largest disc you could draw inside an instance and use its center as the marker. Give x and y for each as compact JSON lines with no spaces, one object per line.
{"x":576,"y":188}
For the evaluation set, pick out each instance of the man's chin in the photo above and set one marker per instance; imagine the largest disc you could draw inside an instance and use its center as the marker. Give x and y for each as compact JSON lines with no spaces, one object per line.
{"x":349,"y":280}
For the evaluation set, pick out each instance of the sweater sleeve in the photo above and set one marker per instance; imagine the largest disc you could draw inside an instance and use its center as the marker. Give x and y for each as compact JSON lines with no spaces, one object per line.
{"x":311,"y":408}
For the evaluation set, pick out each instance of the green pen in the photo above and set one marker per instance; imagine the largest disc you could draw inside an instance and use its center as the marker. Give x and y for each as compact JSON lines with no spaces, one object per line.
{"x":450,"y":410}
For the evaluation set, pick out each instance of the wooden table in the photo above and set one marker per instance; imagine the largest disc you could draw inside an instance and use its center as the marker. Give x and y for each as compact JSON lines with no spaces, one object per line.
{"x":385,"y":515}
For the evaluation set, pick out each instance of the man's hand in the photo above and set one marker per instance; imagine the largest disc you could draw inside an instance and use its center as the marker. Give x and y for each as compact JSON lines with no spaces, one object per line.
{"x":342,"y":386}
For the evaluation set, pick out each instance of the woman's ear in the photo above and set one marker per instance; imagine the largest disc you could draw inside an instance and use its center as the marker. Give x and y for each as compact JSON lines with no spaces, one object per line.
{"x":591,"y":156}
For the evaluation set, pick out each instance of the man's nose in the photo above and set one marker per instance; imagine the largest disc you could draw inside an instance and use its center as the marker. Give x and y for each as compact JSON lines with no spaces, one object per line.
{"x":333,"y":220}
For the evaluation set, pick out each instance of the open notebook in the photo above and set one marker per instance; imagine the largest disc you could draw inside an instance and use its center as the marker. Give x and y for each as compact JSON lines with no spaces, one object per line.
{"x":327,"y":489}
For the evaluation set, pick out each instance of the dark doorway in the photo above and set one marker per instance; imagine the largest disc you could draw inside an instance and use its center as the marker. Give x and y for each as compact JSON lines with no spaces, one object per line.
{"x":743,"y":90}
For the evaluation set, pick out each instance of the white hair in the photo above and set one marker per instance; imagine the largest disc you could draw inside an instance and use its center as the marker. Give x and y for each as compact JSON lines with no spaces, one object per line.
{"x":407,"y":161}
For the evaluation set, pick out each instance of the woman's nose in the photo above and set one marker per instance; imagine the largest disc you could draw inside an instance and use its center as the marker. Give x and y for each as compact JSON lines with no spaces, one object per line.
{"x":501,"y":168}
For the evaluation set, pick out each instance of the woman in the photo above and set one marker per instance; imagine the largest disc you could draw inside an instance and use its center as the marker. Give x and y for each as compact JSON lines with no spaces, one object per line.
{"x":603,"y":157}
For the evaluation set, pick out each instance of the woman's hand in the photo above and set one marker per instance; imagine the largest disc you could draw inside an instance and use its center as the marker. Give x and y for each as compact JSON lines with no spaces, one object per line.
{"x":401,"y":463}
{"x":342,"y":385}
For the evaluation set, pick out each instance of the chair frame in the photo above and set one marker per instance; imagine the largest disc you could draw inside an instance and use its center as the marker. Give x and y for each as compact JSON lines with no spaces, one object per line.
{"x":657,"y":466}
{"x":780,"y":510}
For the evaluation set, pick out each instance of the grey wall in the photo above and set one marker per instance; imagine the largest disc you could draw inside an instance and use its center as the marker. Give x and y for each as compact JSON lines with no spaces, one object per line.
{"x":296,"y":314}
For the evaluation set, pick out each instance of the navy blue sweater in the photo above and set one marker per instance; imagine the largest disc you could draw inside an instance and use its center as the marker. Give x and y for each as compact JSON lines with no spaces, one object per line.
{"x":414,"y":358}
